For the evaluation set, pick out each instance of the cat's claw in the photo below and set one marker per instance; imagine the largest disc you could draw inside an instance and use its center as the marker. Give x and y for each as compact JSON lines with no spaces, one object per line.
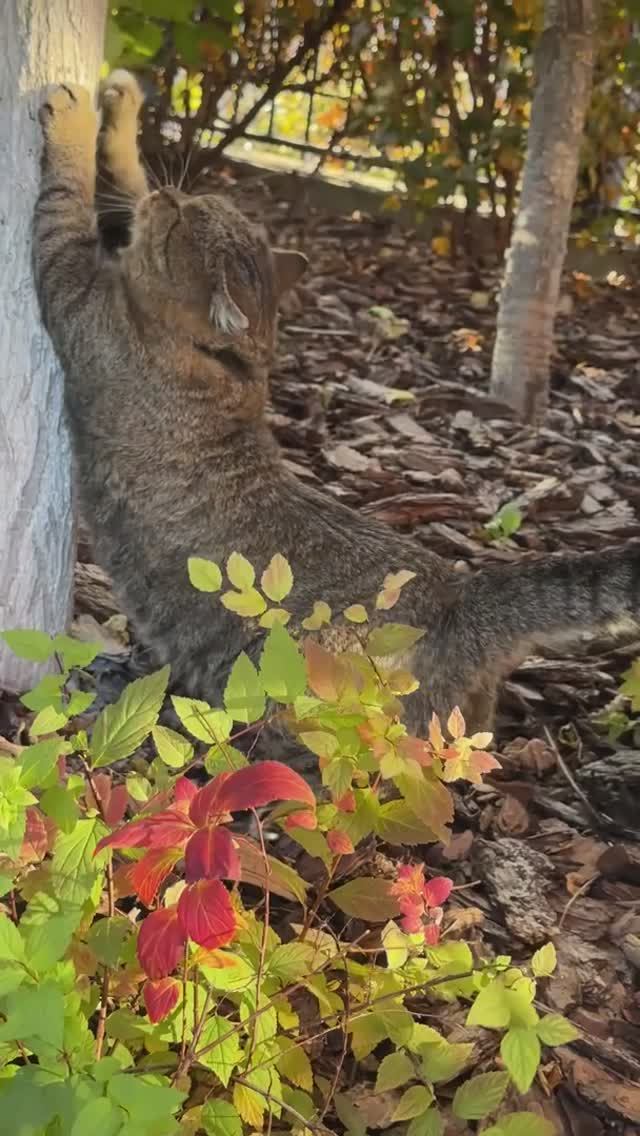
{"x":120,"y":93}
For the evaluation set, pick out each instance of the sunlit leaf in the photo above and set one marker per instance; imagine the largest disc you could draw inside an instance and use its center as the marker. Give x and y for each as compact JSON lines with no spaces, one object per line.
{"x":205,"y":575}
{"x":205,"y":914}
{"x":160,"y":943}
{"x":211,"y":854}
{"x":277,"y":579}
{"x":160,"y":997}
{"x":122,"y":727}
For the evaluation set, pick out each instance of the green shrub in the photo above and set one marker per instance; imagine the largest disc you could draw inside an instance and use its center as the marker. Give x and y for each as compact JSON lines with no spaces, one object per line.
{"x":144,"y":992}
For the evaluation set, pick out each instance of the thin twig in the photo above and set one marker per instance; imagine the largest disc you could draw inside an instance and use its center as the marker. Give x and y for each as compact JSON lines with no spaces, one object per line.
{"x":564,"y":769}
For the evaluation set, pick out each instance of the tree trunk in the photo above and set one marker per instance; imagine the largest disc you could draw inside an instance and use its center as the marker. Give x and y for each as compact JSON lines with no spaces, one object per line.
{"x":43,"y":41}
{"x":533,"y":266}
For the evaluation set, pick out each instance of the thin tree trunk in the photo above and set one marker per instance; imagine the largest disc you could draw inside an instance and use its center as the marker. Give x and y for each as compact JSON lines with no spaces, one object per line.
{"x":533,"y":266}
{"x":43,"y":41}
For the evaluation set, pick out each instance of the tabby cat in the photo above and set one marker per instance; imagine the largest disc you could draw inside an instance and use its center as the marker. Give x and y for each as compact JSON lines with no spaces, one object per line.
{"x":166,"y":349}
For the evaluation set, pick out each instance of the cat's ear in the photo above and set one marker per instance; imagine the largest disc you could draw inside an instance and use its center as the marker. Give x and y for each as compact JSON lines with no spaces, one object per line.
{"x":289,"y":267}
{"x":224,"y":313}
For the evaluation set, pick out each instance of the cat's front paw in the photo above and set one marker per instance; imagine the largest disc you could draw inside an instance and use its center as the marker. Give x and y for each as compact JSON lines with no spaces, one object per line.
{"x":120,"y":97}
{"x":68,"y":118}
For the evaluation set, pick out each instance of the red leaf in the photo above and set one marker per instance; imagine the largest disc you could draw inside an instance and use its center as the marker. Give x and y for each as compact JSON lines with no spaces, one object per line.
{"x":160,"y":942}
{"x":150,"y":872}
{"x":115,"y":809}
{"x":248,"y":788}
{"x":339,"y":843}
{"x":346,"y":803}
{"x":211,"y":854}
{"x":206,"y":915}
{"x":303,"y":819}
{"x":437,"y":891}
{"x":160,"y":997}
{"x":184,"y":791}
{"x":161,"y":830}
{"x":432,"y":934}
{"x":35,"y":843}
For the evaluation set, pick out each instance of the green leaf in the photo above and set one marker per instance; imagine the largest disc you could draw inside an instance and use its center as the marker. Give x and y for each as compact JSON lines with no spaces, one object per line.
{"x":75,"y":653}
{"x":395,"y":942}
{"x":282,"y":667}
{"x":398,"y":824}
{"x":100,"y":1117}
{"x":202,"y":721}
{"x":522,"y":1124}
{"x":544,"y":961}
{"x":366,"y":897}
{"x":121,"y":728}
{"x":172,"y":748}
{"x":223,"y":1056}
{"x":240,"y":572}
{"x":79,"y":702}
{"x":74,"y":866}
{"x":430,"y":1123}
{"x":223,"y":759}
{"x":35,"y":1014}
{"x":61,"y":806}
{"x":444,"y":1060}
{"x":520,"y":1051}
{"x":556,"y":1030}
{"x":290,"y":960}
{"x":108,"y":937}
{"x":11,"y":944}
{"x":244,"y":693}
{"x":414,"y":1102}
{"x":147,"y":1098}
{"x":277,"y":579}
{"x":391,"y":639}
{"x":479,"y":1096}
{"x":48,"y":692}
{"x":220,"y":1118}
{"x":47,"y":926}
{"x":204,"y":574}
{"x":48,"y":721}
{"x":32,"y":645}
{"x":491,"y":1008}
{"x":393,"y":1071}
{"x":38,"y":761}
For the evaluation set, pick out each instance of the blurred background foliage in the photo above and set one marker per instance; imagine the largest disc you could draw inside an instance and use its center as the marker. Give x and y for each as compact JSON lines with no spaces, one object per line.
{"x":423,"y":100}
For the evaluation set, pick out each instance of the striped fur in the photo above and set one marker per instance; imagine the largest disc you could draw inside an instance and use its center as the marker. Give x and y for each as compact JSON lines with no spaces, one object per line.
{"x":175,"y":457}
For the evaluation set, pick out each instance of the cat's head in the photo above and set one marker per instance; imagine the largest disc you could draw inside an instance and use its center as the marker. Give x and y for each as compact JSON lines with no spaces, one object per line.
{"x":205,"y":257}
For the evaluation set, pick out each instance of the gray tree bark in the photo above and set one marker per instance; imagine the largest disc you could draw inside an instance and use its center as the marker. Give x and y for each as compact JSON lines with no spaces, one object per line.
{"x":43,"y":41}
{"x":533,"y":265}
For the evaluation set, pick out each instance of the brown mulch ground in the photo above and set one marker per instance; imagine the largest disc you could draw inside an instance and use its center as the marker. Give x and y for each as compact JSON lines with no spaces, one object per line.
{"x":404,"y":429}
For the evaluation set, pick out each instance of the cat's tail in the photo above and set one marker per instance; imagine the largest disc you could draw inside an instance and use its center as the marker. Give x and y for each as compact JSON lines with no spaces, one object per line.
{"x":508,"y":609}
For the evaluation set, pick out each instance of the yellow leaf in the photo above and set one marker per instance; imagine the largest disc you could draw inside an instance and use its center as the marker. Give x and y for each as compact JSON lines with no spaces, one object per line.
{"x":294,"y":1064}
{"x":441,"y":246}
{"x":387,"y":599}
{"x":248,"y":603}
{"x":320,"y":615}
{"x":275,"y":615}
{"x":398,"y":579}
{"x":456,"y":723}
{"x":356,"y":613}
{"x":249,"y":1104}
{"x":240,"y":572}
{"x":277,"y":579}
